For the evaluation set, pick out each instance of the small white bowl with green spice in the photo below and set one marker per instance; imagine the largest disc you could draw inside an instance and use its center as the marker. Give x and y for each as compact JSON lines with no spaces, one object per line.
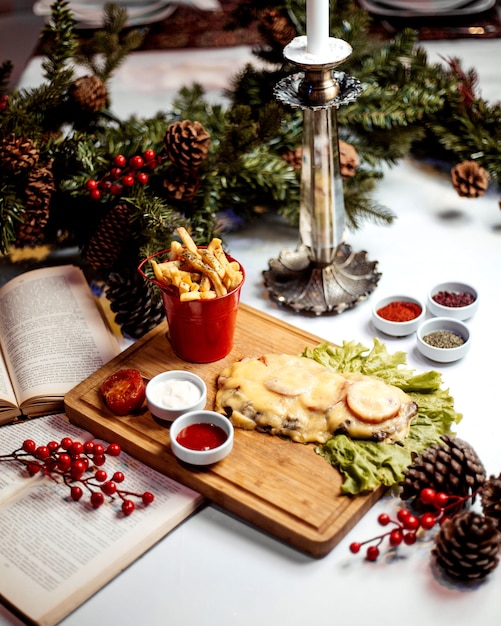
{"x":443,"y":339}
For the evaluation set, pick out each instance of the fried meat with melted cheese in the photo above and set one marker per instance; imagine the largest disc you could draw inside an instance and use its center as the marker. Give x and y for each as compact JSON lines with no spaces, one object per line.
{"x":297,"y":397}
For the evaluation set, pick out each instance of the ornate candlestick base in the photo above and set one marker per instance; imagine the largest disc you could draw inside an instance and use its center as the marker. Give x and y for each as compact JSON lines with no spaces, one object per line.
{"x":296,"y":282}
{"x":322,"y":275}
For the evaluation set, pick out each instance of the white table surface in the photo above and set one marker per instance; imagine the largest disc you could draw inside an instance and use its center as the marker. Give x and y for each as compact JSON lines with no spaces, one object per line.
{"x":215,"y":570}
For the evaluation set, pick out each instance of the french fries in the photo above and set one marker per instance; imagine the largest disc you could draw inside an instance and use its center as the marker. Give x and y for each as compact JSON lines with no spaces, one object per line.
{"x":197,"y":273}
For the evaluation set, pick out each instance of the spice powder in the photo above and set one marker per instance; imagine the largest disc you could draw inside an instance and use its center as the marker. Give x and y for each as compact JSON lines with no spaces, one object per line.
{"x":443,"y":339}
{"x":399,"y":311}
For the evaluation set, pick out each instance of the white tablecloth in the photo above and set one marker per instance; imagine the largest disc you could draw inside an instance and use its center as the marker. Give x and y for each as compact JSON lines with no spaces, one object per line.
{"x":216,"y":570}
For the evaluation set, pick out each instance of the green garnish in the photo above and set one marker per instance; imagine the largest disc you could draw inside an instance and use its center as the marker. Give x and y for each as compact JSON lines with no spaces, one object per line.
{"x":365,"y":465}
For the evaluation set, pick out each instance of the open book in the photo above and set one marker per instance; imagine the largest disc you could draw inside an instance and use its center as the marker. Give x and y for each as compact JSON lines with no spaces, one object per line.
{"x":52,"y":336}
{"x":54,"y":552}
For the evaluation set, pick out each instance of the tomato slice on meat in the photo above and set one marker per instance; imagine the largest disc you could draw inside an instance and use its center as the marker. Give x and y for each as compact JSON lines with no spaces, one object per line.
{"x":124,"y":391}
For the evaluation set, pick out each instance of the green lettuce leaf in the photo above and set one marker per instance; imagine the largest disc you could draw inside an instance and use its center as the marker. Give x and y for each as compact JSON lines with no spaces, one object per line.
{"x":366,"y":465}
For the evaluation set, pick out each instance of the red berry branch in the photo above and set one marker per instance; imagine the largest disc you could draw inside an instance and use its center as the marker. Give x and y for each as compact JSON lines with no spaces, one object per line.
{"x":407,"y":525}
{"x":124,"y":173}
{"x":78,"y":465}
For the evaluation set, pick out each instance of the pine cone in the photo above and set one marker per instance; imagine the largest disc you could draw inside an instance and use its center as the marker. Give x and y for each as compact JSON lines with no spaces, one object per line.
{"x":294,"y":157}
{"x":133,"y":301}
{"x":181,"y":184}
{"x":89,"y":93}
{"x":469,"y":179}
{"x":39,"y":190}
{"x":110,"y":236}
{"x":187,"y":144}
{"x":467,"y":546}
{"x":348,"y":158}
{"x":18,"y":154}
{"x":452,"y":467}
{"x":277,"y":26}
{"x":491,"y":499}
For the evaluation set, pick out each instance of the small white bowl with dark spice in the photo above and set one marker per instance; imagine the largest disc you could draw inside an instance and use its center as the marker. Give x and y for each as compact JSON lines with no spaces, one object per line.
{"x":443,"y":339}
{"x":453,"y":299}
{"x":398,"y":316}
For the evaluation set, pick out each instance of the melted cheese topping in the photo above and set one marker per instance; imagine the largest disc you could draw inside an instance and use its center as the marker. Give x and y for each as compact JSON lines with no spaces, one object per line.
{"x":299,"y":398}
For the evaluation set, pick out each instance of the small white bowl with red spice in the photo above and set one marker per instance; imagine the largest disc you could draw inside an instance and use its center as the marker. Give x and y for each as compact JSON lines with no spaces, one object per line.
{"x":453,"y":299}
{"x":443,"y":339}
{"x":398,"y":316}
{"x":201,"y":437}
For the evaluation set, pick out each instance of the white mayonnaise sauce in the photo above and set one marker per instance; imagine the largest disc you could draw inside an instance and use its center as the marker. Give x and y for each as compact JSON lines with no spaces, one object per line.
{"x":175,"y":394}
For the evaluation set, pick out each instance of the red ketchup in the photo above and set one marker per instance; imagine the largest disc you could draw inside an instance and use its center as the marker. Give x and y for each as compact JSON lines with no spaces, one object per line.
{"x":202,"y":436}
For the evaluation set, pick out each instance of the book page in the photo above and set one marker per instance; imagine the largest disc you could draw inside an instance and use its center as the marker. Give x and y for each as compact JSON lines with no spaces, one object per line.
{"x":8,"y":402}
{"x":52,"y":333}
{"x":54,"y":552}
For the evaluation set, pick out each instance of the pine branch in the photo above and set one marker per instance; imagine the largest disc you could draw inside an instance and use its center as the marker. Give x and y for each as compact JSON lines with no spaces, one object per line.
{"x":11,"y":212}
{"x":107,"y":49}
{"x":60,"y":44}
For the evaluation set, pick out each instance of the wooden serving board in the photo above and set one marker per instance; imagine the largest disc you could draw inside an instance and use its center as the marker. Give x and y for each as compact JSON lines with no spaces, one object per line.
{"x":284,"y":488}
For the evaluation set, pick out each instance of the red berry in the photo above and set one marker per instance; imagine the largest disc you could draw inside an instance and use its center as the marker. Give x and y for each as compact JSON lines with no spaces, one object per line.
{"x":99,"y":459}
{"x":384,"y":519}
{"x":372,"y":553}
{"x":76,"y":449}
{"x":113,"y":449}
{"x":427,"y":495}
{"x":396,"y":537}
{"x":91,"y":184}
{"x":76,"y":493}
{"x":29,"y":446}
{"x":149,"y":155}
{"x":441,"y":499}
{"x":142,"y":178}
{"x":88,"y":447}
{"x":119,"y":160}
{"x":427,"y":521}
{"x":64,"y":462}
{"x":403,"y":515}
{"x":136,"y":162}
{"x":33,"y":468}
{"x":355,"y":547}
{"x":96,"y":499}
{"x":147,"y":497}
{"x":128,"y":180}
{"x":98,"y":448}
{"x":109,"y":488}
{"x":411,"y":523}
{"x":128,"y":507}
{"x":42,"y":452}
{"x":100,"y":476}
{"x":53,"y":446}
{"x":78,"y":467}
{"x":115,"y":189}
{"x":50,"y":464}
{"x":410,"y":538}
{"x":66,"y":443}
{"x":95,"y":194}
{"x":116,"y":172}
{"x":118,"y":477}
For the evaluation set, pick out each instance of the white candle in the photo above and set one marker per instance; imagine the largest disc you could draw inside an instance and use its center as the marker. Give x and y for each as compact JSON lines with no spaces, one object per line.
{"x":317,"y":26}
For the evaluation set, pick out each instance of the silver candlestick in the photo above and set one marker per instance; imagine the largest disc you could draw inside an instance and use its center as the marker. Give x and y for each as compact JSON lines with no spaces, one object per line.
{"x":322,"y":275}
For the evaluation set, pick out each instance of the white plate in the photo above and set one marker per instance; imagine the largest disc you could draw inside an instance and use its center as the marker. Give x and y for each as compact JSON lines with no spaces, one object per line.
{"x":88,"y":15}
{"x":425,"y":6}
{"x":378,"y":8}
